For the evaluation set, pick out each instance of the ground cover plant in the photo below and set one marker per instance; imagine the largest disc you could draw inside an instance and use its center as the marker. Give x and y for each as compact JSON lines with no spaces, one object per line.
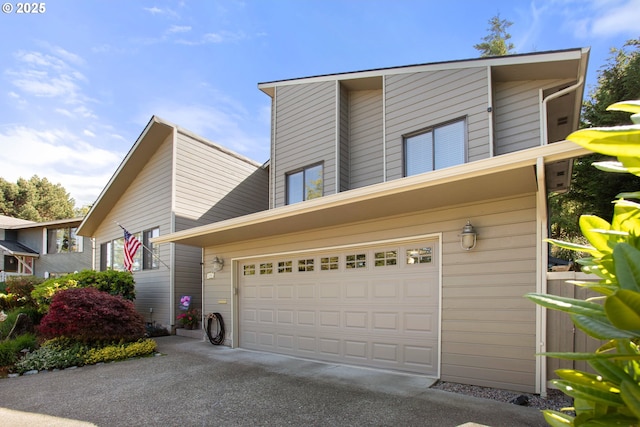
{"x":79,"y":319}
{"x":612,"y":396}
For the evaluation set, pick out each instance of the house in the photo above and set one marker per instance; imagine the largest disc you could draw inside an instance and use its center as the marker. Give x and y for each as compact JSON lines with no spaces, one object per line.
{"x":374,"y":176}
{"x":170,"y":180}
{"x":43,"y":249}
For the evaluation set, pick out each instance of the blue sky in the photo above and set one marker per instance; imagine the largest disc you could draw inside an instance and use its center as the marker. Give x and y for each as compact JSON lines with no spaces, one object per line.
{"x":79,"y":82}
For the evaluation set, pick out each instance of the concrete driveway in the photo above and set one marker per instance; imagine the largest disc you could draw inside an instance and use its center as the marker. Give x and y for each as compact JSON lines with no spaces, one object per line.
{"x":197,"y":384}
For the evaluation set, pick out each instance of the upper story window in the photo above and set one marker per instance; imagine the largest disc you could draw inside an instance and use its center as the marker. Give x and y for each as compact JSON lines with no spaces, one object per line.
{"x":63,"y":240}
{"x":435,"y":148}
{"x":304,"y":184}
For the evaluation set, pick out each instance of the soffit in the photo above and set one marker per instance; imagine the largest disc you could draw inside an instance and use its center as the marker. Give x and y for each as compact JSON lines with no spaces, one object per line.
{"x":502,"y":176}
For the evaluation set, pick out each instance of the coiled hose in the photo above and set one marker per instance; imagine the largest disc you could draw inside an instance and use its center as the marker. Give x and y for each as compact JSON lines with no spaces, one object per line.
{"x":218,"y":339}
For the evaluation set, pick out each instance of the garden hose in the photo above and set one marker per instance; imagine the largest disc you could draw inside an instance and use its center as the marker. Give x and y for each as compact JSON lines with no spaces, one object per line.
{"x":219,"y":338}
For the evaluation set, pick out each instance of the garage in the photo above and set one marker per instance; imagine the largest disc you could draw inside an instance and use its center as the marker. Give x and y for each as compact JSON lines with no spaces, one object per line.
{"x":374,"y":306}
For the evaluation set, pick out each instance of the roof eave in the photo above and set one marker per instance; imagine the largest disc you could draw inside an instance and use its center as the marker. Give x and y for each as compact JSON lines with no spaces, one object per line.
{"x":337,"y":202}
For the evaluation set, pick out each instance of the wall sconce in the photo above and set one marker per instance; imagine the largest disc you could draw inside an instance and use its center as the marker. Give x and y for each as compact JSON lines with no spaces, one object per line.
{"x":217,"y":265}
{"x":468,"y":237}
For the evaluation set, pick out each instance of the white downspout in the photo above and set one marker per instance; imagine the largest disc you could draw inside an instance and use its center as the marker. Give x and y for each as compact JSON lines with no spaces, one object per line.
{"x":541,"y":277}
{"x":543,"y":112}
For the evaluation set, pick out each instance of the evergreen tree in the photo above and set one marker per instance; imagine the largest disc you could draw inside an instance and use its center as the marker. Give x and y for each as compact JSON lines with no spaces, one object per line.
{"x":35,"y":200}
{"x":592,"y":189}
{"x":496,"y":43}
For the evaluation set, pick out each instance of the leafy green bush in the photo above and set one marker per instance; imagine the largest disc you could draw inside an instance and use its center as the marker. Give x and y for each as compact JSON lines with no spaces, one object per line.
{"x":21,"y":287}
{"x":7,"y":325}
{"x":120,"y":351}
{"x":612,"y":397}
{"x":53,"y":354}
{"x":90,"y":315}
{"x":10,"y":350}
{"x":112,"y":282}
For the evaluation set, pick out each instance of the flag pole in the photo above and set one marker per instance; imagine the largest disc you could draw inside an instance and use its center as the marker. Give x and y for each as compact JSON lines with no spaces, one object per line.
{"x":153,"y":254}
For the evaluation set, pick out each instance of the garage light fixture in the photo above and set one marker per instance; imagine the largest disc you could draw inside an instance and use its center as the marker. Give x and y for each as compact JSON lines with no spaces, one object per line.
{"x":216,"y":266}
{"x":468,"y":237}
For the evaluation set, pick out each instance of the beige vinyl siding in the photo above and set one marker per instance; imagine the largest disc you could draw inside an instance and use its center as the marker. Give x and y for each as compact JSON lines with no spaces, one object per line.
{"x":221,"y":186}
{"x":213,"y":184}
{"x":420,"y":100}
{"x":306,"y":133}
{"x":488,"y":328}
{"x":517,"y":114}
{"x":366,"y":132}
{"x":345,"y":158}
{"x":146,"y":204}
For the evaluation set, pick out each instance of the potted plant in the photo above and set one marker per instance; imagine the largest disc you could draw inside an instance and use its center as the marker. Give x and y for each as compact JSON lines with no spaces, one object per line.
{"x":189,"y":319}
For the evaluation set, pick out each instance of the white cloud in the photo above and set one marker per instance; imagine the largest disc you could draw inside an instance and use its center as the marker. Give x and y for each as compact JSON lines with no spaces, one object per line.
{"x":87,"y":132}
{"x":158,"y":11}
{"x":60,"y":156}
{"x":179,"y":29}
{"x":612,"y":21}
{"x":221,"y":124}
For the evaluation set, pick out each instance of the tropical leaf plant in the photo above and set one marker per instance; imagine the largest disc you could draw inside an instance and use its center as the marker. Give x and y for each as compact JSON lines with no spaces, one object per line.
{"x":612,"y":396}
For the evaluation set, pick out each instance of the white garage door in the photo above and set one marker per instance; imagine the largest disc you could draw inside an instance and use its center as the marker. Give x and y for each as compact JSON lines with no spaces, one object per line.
{"x":375,"y":307}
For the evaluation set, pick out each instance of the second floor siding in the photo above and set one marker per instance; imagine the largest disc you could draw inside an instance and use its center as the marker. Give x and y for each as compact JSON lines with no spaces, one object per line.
{"x":305,"y":125}
{"x":421,"y":100}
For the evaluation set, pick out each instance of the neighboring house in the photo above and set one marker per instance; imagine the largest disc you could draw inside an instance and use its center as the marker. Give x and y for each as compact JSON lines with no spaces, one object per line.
{"x":170,"y":180}
{"x":374,"y":175}
{"x":43,"y":249}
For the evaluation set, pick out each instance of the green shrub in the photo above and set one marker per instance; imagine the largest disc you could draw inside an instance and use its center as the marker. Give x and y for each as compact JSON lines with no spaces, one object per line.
{"x":53,"y":354}
{"x":7,"y":325}
{"x":120,"y":351}
{"x":10,"y":350}
{"x":612,"y":397}
{"x":112,"y":282}
{"x":21,"y":287}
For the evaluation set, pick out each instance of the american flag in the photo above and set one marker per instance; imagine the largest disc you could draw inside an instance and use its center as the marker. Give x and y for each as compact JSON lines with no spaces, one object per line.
{"x":131,"y":245}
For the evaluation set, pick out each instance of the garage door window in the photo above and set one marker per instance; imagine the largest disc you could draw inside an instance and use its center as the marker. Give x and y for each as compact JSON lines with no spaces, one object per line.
{"x":266,"y":268}
{"x":386,"y":258}
{"x":356,"y":261}
{"x":249,"y":270}
{"x":419,"y":256}
{"x":329,"y":263}
{"x":305,"y":264}
{"x":285,"y":266}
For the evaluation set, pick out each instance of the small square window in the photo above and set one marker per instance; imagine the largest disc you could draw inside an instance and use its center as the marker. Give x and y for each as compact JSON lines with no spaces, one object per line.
{"x":266,"y":268}
{"x":356,"y":261}
{"x":285,"y":267}
{"x":329,"y":263}
{"x":305,"y":264}
{"x":419,"y":256}
{"x":249,"y":270}
{"x":385,"y":258}
{"x":305,"y":184}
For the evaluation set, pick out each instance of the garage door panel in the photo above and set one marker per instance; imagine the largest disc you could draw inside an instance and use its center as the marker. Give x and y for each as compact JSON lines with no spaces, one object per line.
{"x":370,"y":307}
{"x":356,"y":319}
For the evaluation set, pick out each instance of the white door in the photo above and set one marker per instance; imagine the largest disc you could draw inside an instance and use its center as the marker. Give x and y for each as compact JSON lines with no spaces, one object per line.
{"x":375,"y":307}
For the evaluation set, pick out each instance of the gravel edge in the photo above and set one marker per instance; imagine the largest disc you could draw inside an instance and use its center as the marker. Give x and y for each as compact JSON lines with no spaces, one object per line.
{"x":555,"y":399}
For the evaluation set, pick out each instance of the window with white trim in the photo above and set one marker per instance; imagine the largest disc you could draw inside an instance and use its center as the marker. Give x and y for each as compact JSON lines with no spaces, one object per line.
{"x":63,"y":240}
{"x":146,"y":257}
{"x":435,"y":148}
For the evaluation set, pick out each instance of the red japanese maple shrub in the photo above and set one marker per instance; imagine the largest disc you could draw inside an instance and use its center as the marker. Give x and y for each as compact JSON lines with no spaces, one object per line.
{"x":90,"y":315}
